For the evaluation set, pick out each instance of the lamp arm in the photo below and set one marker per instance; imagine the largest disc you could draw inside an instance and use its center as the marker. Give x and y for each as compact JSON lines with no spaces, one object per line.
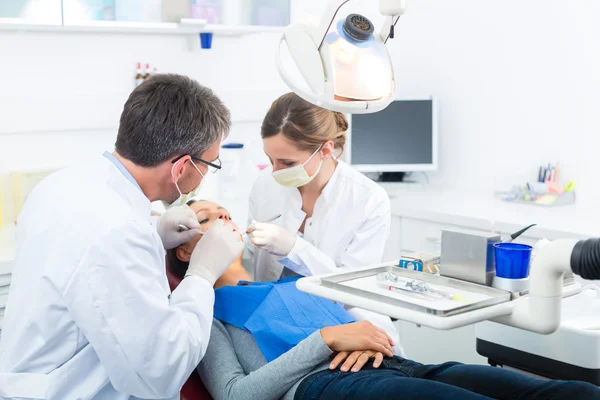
{"x":390,"y":8}
{"x":386,"y":30}
{"x":393,"y":9}
{"x":333,"y":7}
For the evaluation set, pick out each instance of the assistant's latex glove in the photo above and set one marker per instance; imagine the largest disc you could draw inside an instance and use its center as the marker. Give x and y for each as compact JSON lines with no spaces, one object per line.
{"x":271,"y":238}
{"x":215,"y":252}
{"x":168,"y":228}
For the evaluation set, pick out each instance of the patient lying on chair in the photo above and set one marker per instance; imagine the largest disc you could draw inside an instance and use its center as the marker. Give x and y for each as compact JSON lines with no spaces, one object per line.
{"x":178,"y":259}
{"x":260,"y":350}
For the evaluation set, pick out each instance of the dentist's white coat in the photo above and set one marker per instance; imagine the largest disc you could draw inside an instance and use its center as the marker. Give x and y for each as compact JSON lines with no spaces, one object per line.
{"x":90,"y":314}
{"x":349,"y":228}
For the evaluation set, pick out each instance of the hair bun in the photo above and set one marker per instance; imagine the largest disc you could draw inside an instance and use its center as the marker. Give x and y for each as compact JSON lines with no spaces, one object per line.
{"x":341,"y":121}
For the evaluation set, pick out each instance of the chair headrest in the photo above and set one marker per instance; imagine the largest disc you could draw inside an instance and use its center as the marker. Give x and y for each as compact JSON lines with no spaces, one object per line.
{"x":174,"y":280}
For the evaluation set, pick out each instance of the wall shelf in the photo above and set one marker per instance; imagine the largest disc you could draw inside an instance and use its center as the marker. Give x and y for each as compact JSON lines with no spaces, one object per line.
{"x":187,"y":26}
{"x":232,"y":30}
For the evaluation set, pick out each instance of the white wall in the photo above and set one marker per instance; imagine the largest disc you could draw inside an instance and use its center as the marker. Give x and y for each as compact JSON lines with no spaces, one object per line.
{"x":61,"y":94}
{"x":518,"y":84}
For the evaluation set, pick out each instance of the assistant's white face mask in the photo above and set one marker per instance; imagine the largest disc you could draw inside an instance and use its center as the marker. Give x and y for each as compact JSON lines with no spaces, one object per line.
{"x":184,"y":198}
{"x":296,"y":176}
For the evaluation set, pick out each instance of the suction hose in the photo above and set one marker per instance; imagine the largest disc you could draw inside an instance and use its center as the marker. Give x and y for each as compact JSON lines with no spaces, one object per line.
{"x":585,"y":259}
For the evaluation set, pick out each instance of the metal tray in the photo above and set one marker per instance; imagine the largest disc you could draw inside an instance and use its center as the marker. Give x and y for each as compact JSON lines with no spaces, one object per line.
{"x":495,"y":296}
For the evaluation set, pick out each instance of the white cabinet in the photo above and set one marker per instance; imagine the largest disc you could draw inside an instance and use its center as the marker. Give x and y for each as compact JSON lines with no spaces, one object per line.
{"x":393,"y":247}
{"x":431,"y":346}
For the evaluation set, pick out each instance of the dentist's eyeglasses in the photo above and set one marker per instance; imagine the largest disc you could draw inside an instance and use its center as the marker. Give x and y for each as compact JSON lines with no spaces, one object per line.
{"x":213,"y":166}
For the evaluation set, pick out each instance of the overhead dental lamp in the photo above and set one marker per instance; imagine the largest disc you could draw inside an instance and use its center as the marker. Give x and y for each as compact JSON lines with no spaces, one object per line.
{"x":345,"y":64}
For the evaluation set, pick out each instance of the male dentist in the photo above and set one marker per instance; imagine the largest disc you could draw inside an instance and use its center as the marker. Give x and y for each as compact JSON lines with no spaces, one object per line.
{"x":90,"y":314}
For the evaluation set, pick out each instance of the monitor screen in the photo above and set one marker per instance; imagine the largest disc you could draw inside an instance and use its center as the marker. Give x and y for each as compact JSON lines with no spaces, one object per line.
{"x":398,"y":138}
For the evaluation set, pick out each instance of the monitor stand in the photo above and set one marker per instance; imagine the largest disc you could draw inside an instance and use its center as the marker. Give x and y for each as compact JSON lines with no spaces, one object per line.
{"x":392,"y":177}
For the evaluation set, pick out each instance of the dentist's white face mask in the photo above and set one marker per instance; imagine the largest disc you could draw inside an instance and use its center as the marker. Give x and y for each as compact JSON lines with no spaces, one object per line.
{"x":184,"y":198}
{"x":296,"y":176}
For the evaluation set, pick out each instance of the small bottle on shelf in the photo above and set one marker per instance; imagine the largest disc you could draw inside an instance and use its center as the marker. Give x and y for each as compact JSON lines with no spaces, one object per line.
{"x":139,"y":75}
{"x":148,"y":73}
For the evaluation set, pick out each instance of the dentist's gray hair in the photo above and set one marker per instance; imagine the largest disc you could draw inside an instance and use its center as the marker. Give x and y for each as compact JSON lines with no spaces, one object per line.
{"x":169,"y":115}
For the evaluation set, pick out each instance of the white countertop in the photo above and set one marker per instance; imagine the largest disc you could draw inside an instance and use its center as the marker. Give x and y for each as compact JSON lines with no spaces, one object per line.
{"x":480,"y":211}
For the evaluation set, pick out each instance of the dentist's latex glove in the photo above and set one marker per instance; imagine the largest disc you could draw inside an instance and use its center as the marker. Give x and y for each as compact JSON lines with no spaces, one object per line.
{"x":271,"y":238}
{"x":168,"y":228}
{"x":215,"y":252}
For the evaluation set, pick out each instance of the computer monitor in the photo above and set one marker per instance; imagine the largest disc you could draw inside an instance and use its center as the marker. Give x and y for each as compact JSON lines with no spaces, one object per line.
{"x":401,"y":138}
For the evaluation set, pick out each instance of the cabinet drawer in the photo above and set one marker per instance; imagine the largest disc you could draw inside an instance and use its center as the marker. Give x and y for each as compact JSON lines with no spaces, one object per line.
{"x":393,"y":247}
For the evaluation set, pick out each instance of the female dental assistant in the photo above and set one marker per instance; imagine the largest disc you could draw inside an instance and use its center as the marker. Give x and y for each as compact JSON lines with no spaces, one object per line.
{"x":332,"y":216}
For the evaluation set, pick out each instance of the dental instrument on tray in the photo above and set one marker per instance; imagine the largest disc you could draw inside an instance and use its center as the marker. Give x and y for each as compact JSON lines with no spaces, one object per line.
{"x":406,"y":291}
{"x":414,"y":285}
{"x":393,"y":283}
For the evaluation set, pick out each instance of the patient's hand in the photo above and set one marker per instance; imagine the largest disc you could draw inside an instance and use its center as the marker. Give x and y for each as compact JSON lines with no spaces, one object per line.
{"x":356,"y":360}
{"x":361,"y":335}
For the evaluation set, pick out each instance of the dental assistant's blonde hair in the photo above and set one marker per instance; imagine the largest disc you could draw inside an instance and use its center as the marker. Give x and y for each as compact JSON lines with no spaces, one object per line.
{"x":305,"y":124}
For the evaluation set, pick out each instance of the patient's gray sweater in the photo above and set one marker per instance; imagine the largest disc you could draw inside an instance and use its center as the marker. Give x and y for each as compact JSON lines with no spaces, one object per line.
{"x":234,"y":368}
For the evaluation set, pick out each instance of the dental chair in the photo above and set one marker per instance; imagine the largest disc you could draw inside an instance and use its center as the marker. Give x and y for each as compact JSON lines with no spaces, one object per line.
{"x":193,"y":389}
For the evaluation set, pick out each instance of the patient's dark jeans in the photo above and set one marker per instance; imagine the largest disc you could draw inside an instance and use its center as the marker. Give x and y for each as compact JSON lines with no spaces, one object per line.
{"x":398,"y":378}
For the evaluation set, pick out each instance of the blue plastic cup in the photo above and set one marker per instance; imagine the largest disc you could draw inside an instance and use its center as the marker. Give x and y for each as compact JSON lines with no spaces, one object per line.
{"x":512,"y":260}
{"x":206,"y":40}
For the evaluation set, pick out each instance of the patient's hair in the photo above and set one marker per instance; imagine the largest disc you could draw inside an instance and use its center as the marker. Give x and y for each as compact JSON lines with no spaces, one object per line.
{"x":178,"y":267}
{"x":169,"y":115}
{"x":305,"y":124}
